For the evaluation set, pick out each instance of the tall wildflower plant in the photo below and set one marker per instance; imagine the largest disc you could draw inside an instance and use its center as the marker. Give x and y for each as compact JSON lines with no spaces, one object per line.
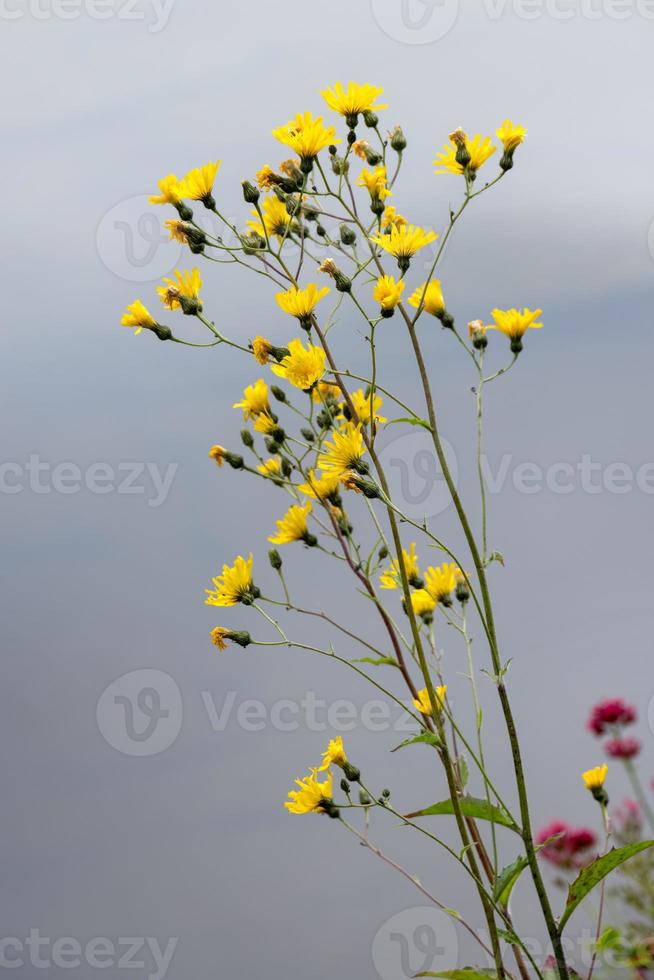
{"x":311,"y":431}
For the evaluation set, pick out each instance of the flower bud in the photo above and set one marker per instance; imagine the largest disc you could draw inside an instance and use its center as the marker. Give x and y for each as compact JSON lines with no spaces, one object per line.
{"x":275,"y":559}
{"x":307,"y":434}
{"x":348,"y":235}
{"x":462,"y":592}
{"x":351,"y":772}
{"x":278,"y":393}
{"x":184,"y":211}
{"x":251,"y":193}
{"x":345,"y":786}
{"x":247,"y":438}
{"x":163,"y":332}
{"x":398,"y":139}
{"x":287,"y":466}
{"x":370,"y":118}
{"x":240,"y":637}
{"x":236,"y":462}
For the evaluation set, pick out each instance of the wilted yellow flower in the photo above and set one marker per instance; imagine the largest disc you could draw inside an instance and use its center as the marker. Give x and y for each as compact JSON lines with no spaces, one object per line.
{"x":431,"y":297}
{"x":261,"y":349}
{"x":359,"y":148}
{"x":309,"y":796}
{"x":320,"y":486}
{"x":177,"y":230}
{"x":387,"y":292}
{"x":301,"y":303}
{"x":265,"y":178}
{"x":217,"y":453}
{"x":219,"y":635}
{"x":375,"y":182}
{"x":480,"y":149}
{"x":302,"y":366}
{"x":361,"y":403}
{"x":293,"y":526}
{"x":326,"y":390}
{"x":275,"y":218}
{"x":198,"y":183}
{"x":352,"y":100}
{"x":390,"y":579}
{"x":185,"y":286}
{"x":270,"y":467}
{"x":514,"y":323}
{"x":171,"y":191}
{"x":510,"y":136}
{"x":403,"y":242}
{"x":423,"y":702}
{"x":138,"y":316}
{"x":594,"y":778}
{"x":255,"y":400}
{"x":442,"y":580}
{"x":306,"y":136}
{"x":233,"y":585}
{"x":476,"y":327}
{"x":335,"y":754}
{"x":391,"y":217}
{"x":344,"y":451}
{"x":422,"y":603}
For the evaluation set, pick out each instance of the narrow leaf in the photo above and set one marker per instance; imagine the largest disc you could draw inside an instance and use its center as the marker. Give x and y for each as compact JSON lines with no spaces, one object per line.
{"x":427,"y":738}
{"x":376,"y":662}
{"x":470,"y":807}
{"x":412,"y":421}
{"x":596,"y":872}
{"x":506,"y":880}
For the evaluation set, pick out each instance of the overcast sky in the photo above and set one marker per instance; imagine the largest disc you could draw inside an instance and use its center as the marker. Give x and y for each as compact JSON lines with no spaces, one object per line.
{"x":190,"y":842}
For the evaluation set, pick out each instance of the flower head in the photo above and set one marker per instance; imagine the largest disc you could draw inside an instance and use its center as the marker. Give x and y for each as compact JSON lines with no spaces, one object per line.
{"x":622,"y":748}
{"x":335,"y":754}
{"x":301,"y":303}
{"x":171,"y":191}
{"x":311,"y":794}
{"x":265,"y":423}
{"x":302,"y":366}
{"x":266,"y":178}
{"x":234,"y":585}
{"x":320,"y":486}
{"x":390,"y":579}
{"x":178,"y":231}
{"x":352,"y":100}
{"x":430,"y":297}
{"x":275,"y":218}
{"x":388,"y":293}
{"x":441,"y":581}
{"x":345,"y":450}
{"x":306,"y":136}
{"x":422,"y":603}
{"x":479,"y":149}
{"x":423,"y":701}
{"x":362,"y":406}
{"x":564,"y":846}
{"x":198,"y":183}
{"x":270,"y":467}
{"x":293,"y":526}
{"x":138,"y":316}
{"x":261,"y":349}
{"x":376,"y":183}
{"x":510,"y":136}
{"x":403,"y":241}
{"x":326,"y":391}
{"x":219,"y":637}
{"x":594,"y":778}
{"x":609,"y":714}
{"x":217,"y":453}
{"x":183,"y":291}
{"x":391,"y":217}
{"x":514,"y":324}
{"x":255,"y":400}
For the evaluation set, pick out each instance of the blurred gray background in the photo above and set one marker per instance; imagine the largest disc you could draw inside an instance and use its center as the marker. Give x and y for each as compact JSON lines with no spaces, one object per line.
{"x":189,"y":841}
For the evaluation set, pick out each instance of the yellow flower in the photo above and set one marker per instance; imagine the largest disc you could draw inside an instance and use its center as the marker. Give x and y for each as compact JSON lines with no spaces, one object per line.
{"x":423,"y":701}
{"x":335,"y":754}
{"x":138,"y":316}
{"x":198,"y":183}
{"x":187,"y":288}
{"x":352,"y":100}
{"x":217,"y":453}
{"x":345,"y":450}
{"x":476,"y":328}
{"x":510,"y":136}
{"x":320,"y":486}
{"x":361,"y":402}
{"x":391,"y":217}
{"x":301,"y":302}
{"x":431,"y":296}
{"x":293,"y":526}
{"x":264,"y":423}
{"x":261,"y":349}
{"x":422,"y":603}
{"x":326,"y":390}
{"x":302,"y":367}
{"x":359,"y":148}
{"x":442,"y":580}
{"x":403,"y":242}
{"x":306,"y":136}
{"x":270,"y":467}
{"x":309,"y":796}
{"x":233,"y":585}
{"x":275,"y":218}
{"x":479,"y":149}
{"x":375,"y":181}
{"x":387,"y":292}
{"x":390,"y":579}
{"x":218,"y":637}
{"x":177,"y":230}
{"x":514,"y":323}
{"x":255,"y":400}
{"x":171,"y":191}
{"x":594,"y":778}
{"x":265,"y":178}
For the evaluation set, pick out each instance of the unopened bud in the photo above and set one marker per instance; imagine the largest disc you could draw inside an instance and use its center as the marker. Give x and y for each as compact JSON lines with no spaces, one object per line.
{"x":278,"y":393}
{"x":247,"y":438}
{"x":250,"y":192}
{"x":275,"y":559}
{"x":348,"y":235}
{"x":398,"y":139}
{"x":370,"y":118}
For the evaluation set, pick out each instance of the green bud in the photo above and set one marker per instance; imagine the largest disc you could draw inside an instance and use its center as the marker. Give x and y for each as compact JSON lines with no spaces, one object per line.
{"x":345,"y":786}
{"x":287,"y":466}
{"x":162,"y":332}
{"x":398,"y":140}
{"x":364,"y":799}
{"x":236,"y":462}
{"x":382,"y":554}
{"x":184,"y":211}
{"x":370,"y":118}
{"x":342,"y":282}
{"x":307,"y":434}
{"x":275,"y":559}
{"x":240,"y":637}
{"x":251,"y":193}
{"x":348,"y":235}
{"x":351,"y":772}
{"x":462,"y":592}
{"x":247,"y":438}
{"x":278,"y":393}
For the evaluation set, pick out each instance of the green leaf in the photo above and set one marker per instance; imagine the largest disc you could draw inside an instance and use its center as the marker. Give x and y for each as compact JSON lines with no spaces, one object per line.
{"x":496,"y":556}
{"x":411,"y":421}
{"x":506,"y":880}
{"x":470,"y":807}
{"x":428,"y":738}
{"x":464,"y":771}
{"x":596,"y":872}
{"x":467,"y":973}
{"x":379,"y":661}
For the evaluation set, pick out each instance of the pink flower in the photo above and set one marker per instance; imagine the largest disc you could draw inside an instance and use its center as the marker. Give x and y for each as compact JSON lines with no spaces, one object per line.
{"x":622,"y":748}
{"x":570,"y":849}
{"x":612,"y":712}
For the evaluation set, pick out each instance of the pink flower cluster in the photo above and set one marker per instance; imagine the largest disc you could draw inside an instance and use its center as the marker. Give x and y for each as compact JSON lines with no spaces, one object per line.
{"x":611,"y":716}
{"x":571,"y":846}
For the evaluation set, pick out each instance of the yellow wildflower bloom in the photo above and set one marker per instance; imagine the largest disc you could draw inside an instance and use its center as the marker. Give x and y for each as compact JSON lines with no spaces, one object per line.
{"x":186,"y":286}
{"x":171,"y":191}
{"x":423,"y":701}
{"x":275,"y":218}
{"x":261,"y":349}
{"x":326,"y":390}
{"x":306,"y":136}
{"x":480,"y":149}
{"x":375,"y":182}
{"x":138,"y":316}
{"x":301,"y":303}
{"x":270,"y":467}
{"x":391,"y":217}
{"x":255,"y":400}
{"x":302,"y":366}
{"x":361,"y":402}
{"x":344,"y":451}
{"x":312,"y":792}
{"x":442,"y":580}
{"x":265,"y":178}
{"x":403,"y":242}
{"x":390,"y":579}
{"x":514,"y":323}
{"x":510,"y":136}
{"x":177,"y":230}
{"x":264,"y":423}
{"x":233,"y":585}
{"x":198,"y":183}
{"x":387,"y":292}
{"x":217,"y":453}
{"x":422,"y":603}
{"x":352,"y":100}
{"x":431,"y":296}
{"x":335,"y":755}
{"x":594,"y":778}
{"x":320,"y":486}
{"x":218,"y":637}
{"x":293,"y":526}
